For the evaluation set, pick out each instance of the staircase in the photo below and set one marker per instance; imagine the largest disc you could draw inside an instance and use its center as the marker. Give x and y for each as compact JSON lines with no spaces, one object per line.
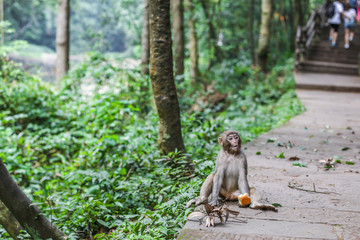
{"x":315,"y":55}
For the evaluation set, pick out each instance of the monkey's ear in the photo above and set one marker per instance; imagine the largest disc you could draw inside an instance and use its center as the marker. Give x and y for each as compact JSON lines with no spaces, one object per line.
{"x":220,"y":141}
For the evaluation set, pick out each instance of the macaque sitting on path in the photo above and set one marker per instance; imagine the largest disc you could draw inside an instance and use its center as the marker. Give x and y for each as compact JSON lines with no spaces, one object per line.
{"x":230,"y":178}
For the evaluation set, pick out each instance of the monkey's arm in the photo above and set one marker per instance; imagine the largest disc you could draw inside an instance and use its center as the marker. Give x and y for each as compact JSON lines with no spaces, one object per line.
{"x":242,"y":180}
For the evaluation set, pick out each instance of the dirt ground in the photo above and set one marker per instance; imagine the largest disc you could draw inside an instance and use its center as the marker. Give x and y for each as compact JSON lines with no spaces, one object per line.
{"x":316,"y":202}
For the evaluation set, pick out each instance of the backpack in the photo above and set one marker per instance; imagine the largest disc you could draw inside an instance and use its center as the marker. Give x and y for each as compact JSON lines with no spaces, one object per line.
{"x":353,"y":3}
{"x":330,"y":10}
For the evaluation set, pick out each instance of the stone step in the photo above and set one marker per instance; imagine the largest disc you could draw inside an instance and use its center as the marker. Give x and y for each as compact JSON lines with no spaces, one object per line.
{"x":334,"y":58}
{"x":327,"y":82}
{"x":328,"y":67}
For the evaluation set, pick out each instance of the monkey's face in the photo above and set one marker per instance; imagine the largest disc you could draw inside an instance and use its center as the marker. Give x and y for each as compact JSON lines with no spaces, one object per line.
{"x":230,"y":142}
{"x":233,"y":143}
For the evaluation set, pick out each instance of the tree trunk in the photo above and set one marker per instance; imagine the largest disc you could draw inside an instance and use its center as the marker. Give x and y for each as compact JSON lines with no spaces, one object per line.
{"x":145,"y":41}
{"x":298,"y":18}
{"x":2,"y":20}
{"x":162,"y":78}
{"x":9,"y":222}
{"x":193,"y":41}
{"x":179,"y":44}
{"x":27,"y":213}
{"x":212,"y":35}
{"x":251,"y":32}
{"x":62,"y":39}
{"x":263,"y":44}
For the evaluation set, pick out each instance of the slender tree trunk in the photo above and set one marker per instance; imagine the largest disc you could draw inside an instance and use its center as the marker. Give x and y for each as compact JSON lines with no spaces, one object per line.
{"x":145,"y":40}
{"x":251,"y":32}
{"x":193,"y":41}
{"x":27,"y":213}
{"x":290,"y":22}
{"x":162,"y":78}
{"x":62,"y":39}
{"x":9,"y":222}
{"x":264,"y":38}
{"x":179,"y":42}
{"x":298,"y":19}
{"x":2,"y":21}
{"x":212,"y":34}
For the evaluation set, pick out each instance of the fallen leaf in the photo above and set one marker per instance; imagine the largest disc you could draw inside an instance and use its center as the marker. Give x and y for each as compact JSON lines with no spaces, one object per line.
{"x":294,"y":158}
{"x":207,"y":222}
{"x":349,"y":162}
{"x":291,"y":144}
{"x":299,"y":164}
{"x":345,"y":148}
{"x":226,"y":215}
{"x":212,"y":221}
{"x":281,"y":155}
{"x":221,"y":219}
{"x":196,"y":214}
{"x":208,"y":208}
{"x":258,"y":153}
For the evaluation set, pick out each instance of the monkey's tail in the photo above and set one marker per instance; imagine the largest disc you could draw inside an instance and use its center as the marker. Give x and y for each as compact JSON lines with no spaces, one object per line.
{"x":263,"y":206}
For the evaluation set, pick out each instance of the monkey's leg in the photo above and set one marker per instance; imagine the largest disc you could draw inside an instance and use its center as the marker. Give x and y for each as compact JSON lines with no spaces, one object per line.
{"x":256,"y":202}
{"x":205,"y":191}
{"x":229,"y":195}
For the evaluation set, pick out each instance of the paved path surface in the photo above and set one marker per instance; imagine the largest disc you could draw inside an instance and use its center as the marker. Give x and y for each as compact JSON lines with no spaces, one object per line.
{"x":317,"y":203}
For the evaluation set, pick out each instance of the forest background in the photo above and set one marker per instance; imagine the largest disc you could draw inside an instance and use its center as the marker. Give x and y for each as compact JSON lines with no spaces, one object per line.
{"x":84,"y":149}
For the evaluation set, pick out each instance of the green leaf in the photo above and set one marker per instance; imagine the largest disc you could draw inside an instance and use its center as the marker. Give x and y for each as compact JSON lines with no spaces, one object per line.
{"x":277,"y":205}
{"x":281,"y":155}
{"x":299,"y":164}
{"x":345,"y":148}
{"x":258,"y":153}
{"x":105,"y":224}
{"x":123,"y":171}
{"x":349,"y":163}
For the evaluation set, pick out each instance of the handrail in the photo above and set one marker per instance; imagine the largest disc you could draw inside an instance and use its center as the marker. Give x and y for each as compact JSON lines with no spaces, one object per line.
{"x":305,"y":34}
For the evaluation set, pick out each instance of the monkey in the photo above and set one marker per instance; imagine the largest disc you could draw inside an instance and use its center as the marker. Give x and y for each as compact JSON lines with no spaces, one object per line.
{"x":230,"y":177}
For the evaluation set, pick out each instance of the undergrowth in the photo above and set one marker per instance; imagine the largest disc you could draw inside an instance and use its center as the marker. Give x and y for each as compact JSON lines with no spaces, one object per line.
{"x":87,"y":153}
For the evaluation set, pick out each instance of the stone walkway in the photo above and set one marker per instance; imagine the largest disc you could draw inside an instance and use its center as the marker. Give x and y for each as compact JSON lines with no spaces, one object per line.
{"x":316,"y":202}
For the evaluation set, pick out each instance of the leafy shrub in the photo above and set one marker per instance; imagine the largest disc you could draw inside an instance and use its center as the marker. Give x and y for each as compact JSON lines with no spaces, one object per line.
{"x":87,"y":153}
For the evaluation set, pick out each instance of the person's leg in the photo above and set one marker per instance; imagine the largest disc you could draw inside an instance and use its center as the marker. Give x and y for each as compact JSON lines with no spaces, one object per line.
{"x":331,"y":33}
{"x":335,"y":34}
{"x":351,"y":34}
{"x":347,"y":32}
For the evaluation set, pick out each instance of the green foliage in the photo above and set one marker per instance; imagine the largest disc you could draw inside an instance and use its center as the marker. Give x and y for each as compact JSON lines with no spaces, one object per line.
{"x":87,"y":153}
